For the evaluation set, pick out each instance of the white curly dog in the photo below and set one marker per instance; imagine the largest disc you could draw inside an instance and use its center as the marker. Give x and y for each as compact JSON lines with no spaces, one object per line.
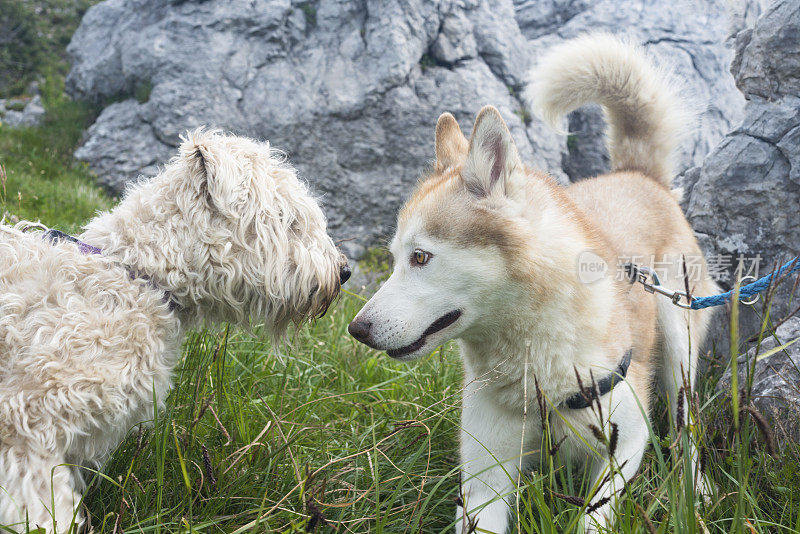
{"x":226,"y":232}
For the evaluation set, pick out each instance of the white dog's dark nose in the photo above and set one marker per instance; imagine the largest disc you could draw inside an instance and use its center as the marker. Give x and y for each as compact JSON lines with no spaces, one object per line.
{"x":344,"y":274}
{"x":360,"y":330}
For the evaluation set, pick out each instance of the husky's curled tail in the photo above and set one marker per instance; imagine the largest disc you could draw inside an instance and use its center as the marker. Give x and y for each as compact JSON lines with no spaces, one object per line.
{"x":644,"y":113}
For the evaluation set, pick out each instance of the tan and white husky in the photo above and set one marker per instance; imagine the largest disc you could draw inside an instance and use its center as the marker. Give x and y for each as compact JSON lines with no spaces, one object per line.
{"x":492,"y":253}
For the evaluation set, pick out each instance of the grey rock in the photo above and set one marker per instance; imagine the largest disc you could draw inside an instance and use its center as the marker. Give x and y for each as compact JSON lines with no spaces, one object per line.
{"x":351,"y":90}
{"x":744,"y":13}
{"x":744,"y":198}
{"x":456,"y":40}
{"x":33,"y":88}
{"x":757,"y":218}
{"x":771,"y":120}
{"x":775,"y":380}
{"x":31,"y":115}
{"x":538,"y":18}
{"x":758,"y":67}
{"x":586,"y":152}
{"x":114,"y":167}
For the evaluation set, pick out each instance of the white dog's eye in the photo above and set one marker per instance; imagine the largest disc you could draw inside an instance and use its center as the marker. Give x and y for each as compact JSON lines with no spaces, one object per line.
{"x":420,"y":257}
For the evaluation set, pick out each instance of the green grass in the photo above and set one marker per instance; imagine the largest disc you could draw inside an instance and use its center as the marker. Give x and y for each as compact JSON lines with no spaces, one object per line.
{"x":33,"y":37}
{"x":252,"y":441}
{"x":39,"y":178}
{"x":335,"y":435}
{"x":310,"y":13}
{"x":328,"y":426}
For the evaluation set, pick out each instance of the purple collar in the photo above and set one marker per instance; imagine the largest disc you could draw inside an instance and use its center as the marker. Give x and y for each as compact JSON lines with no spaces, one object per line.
{"x":54,"y":236}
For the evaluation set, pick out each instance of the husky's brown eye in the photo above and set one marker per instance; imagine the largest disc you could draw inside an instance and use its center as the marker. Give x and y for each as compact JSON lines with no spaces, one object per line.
{"x":420,"y":257}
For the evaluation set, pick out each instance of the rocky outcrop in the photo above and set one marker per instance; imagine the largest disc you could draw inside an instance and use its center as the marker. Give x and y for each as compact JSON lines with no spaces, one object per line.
{"x":21,"y":112}
{"x":775,"y":380}
{"x":351,"y":90}
{"x":745,"y":197}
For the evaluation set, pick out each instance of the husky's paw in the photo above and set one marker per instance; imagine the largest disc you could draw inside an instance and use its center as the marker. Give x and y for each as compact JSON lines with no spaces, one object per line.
{"x":597,"y":522}
{"x":704,"y":489}
{"x":492,"y":518}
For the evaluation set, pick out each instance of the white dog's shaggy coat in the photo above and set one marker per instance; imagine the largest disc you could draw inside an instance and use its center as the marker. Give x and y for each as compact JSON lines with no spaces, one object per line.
{"x":490,"y":252}
{"x":225,"y":233}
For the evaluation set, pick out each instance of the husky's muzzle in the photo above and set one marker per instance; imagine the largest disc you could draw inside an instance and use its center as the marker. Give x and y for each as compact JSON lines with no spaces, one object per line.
{"x":361,"y":329}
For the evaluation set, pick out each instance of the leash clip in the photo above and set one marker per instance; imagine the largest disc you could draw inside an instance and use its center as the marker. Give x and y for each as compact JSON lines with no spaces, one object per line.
{"x":644,"y":274}
{"x":755,"y":298}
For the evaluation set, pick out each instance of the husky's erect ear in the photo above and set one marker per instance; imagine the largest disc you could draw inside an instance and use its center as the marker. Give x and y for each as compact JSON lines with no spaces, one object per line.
{"x":451,"y":145}
{"x":493,"y":165}
{"x":217,"y":172}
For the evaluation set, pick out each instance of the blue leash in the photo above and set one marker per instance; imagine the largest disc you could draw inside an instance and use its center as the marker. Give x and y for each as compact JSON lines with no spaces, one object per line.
{"x":748,"y":291}
{"x":643,"y":274}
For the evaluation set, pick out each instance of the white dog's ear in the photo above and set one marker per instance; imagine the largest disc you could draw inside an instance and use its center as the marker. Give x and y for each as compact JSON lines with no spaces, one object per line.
{"x":451,"y":145}
{"x":218,"y":171}
{"x":493,"y":165}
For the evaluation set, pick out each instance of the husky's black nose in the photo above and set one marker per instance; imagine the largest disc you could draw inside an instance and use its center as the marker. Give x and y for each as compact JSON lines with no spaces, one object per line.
{"x":359,"y":329}
{"x":344,"y":274}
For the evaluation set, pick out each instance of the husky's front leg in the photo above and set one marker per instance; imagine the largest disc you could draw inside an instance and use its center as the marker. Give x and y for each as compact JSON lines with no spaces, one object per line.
{"x":610,"y":469}
{"x":491,"y":437}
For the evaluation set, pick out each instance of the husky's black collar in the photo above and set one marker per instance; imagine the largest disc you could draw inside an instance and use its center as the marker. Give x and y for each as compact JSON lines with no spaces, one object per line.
{"x":54,"y":236}
{"x":584,"y":399}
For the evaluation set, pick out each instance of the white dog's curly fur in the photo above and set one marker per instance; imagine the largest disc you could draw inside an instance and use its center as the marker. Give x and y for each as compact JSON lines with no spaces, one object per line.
{"x":226,"y":232}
